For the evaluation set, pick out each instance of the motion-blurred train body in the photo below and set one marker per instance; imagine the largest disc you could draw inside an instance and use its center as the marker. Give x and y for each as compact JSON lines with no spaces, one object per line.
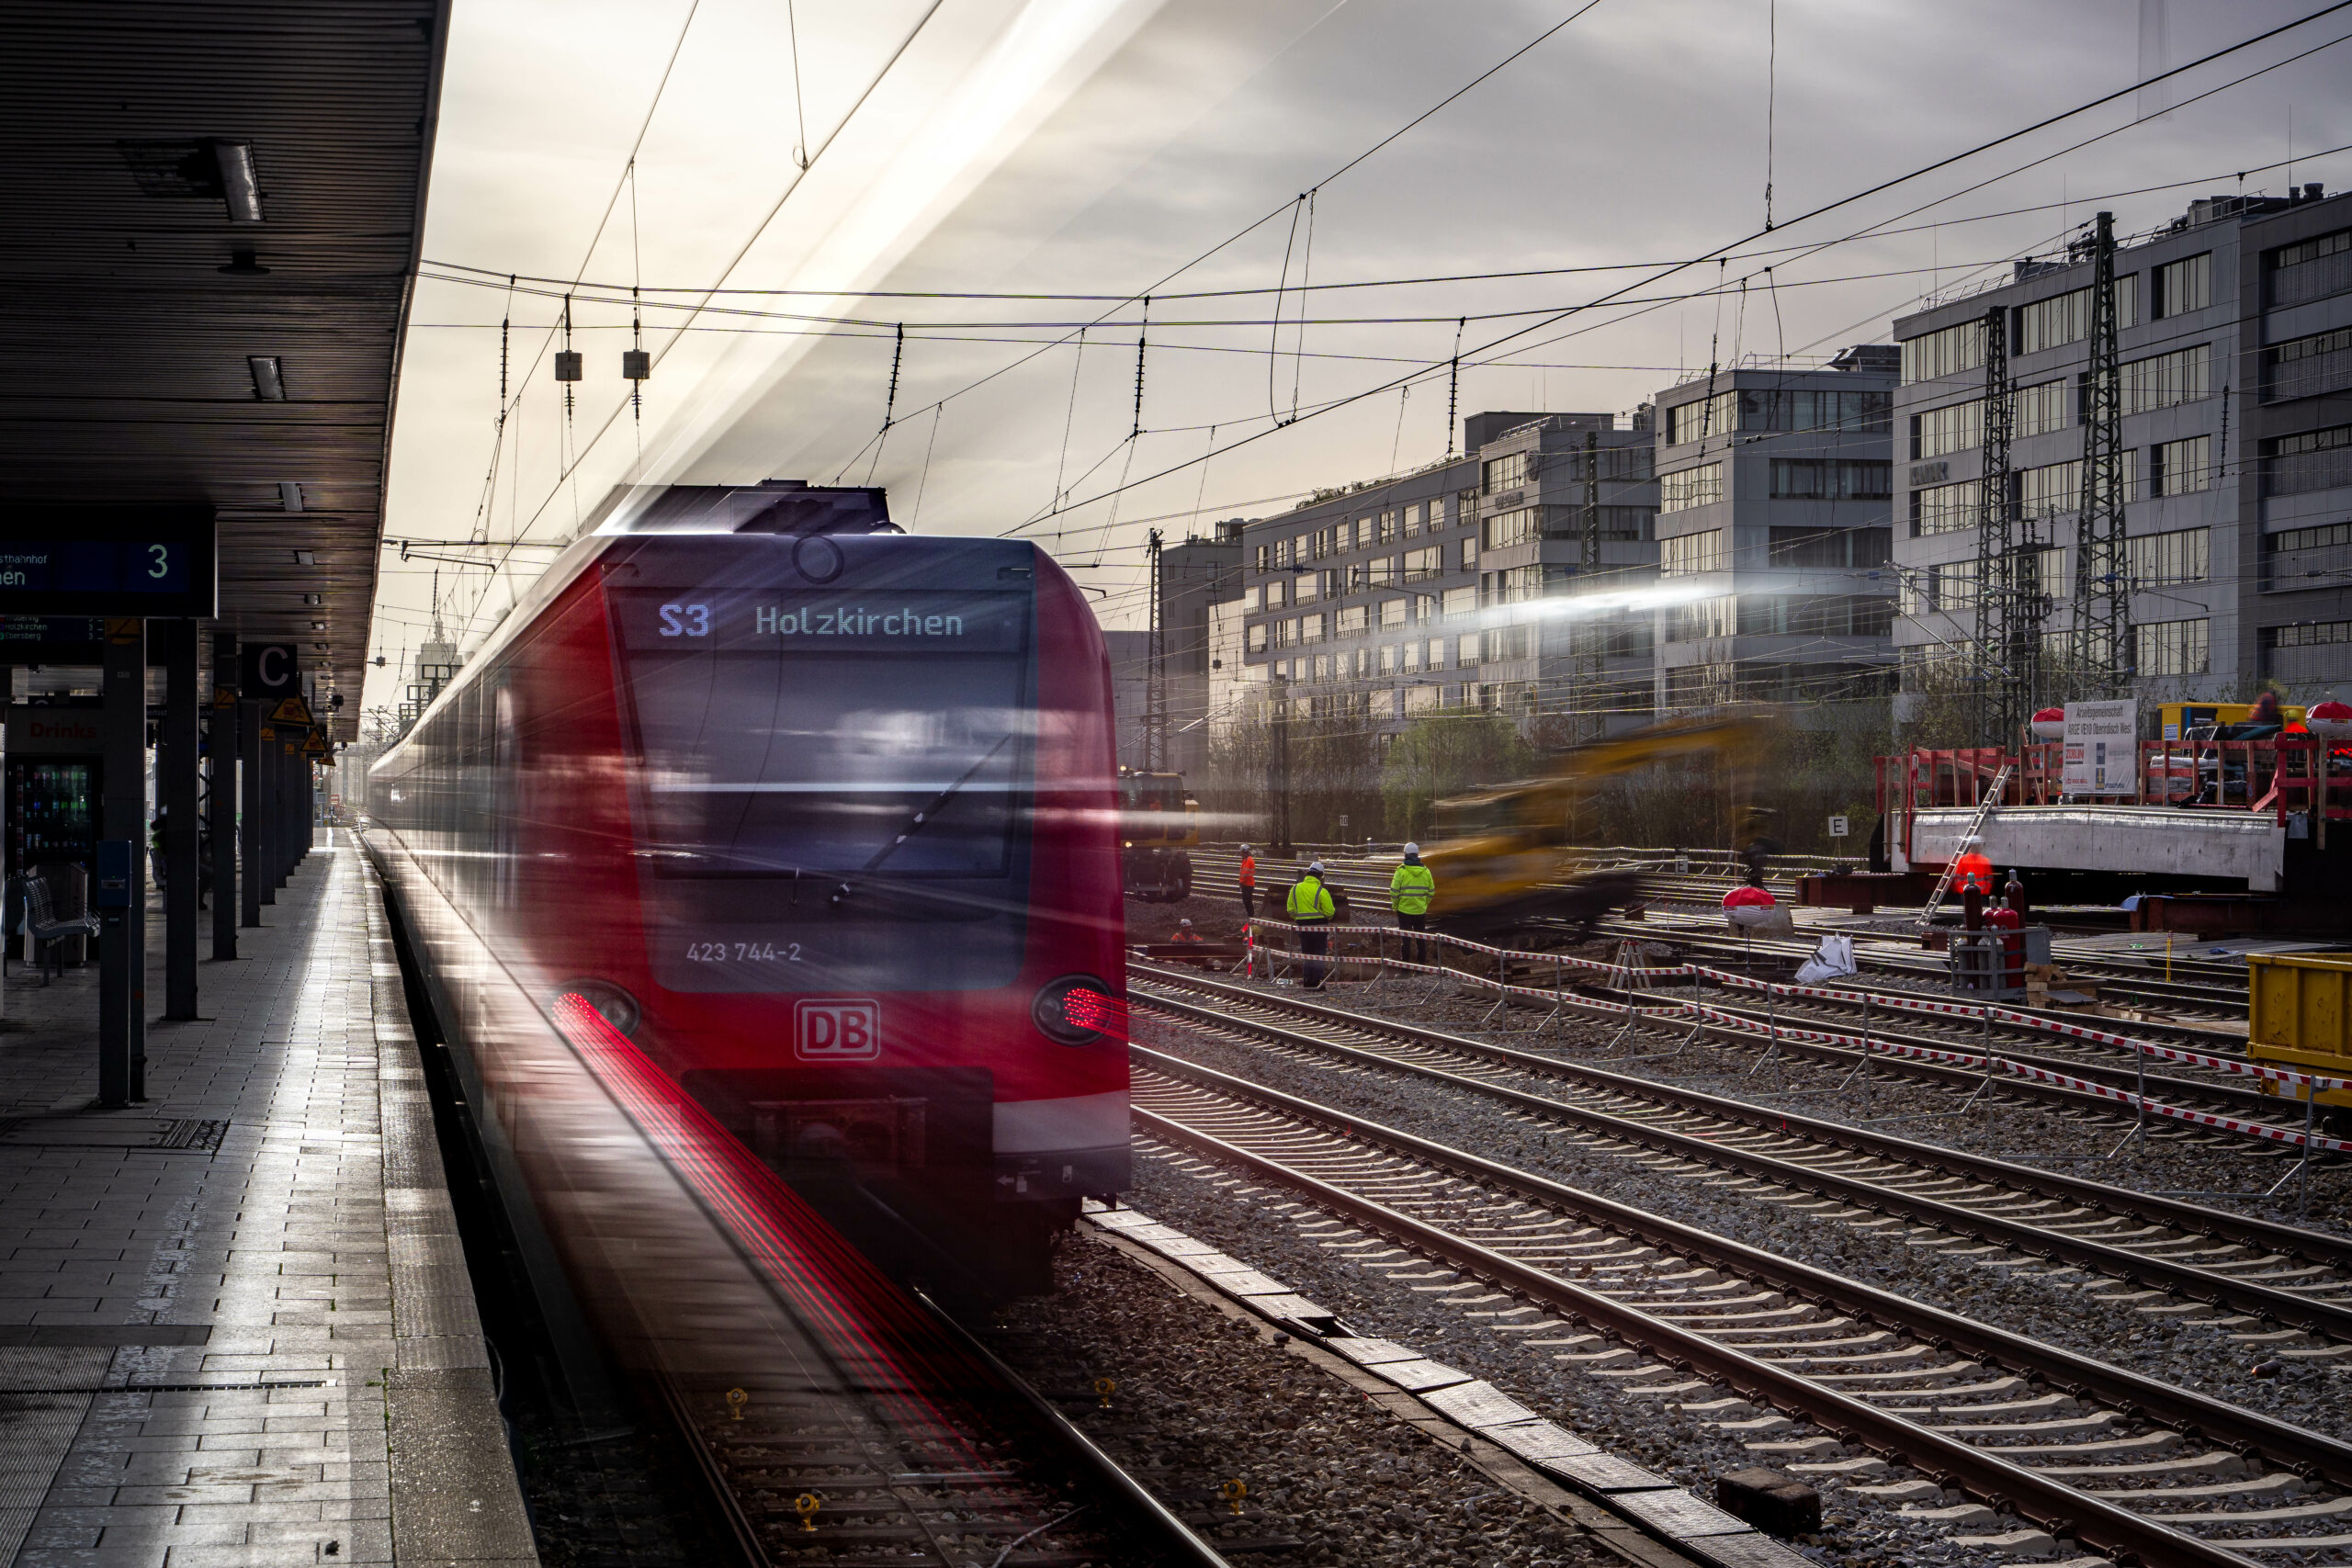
{"x":823,"y":818}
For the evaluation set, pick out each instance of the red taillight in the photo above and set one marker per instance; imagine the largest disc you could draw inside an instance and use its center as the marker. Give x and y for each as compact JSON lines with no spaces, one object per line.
{"x":1079,"y":1010}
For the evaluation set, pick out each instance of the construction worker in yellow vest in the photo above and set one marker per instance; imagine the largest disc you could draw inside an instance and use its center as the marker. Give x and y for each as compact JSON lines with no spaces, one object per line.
{"x":1411,"y":889}
{"x":1310,"y":907}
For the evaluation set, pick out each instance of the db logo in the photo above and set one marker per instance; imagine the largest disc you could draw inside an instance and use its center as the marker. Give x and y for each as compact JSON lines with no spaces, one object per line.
{"x":836,"y":1029}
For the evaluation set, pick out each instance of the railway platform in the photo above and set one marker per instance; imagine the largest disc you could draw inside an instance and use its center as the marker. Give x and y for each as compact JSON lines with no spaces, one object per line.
{"x":236,"y":1326}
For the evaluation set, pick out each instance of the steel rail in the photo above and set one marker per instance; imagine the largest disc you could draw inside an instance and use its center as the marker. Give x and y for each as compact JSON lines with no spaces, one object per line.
{"x":1960,"y":1078}
{"x":2218,"y":994}
{"x":2160,"y":1086}
{"x":2318,"y":1246}
{"x":1186,"y":1545}
{"x":2055,"y":1506}
{"x":2178,"y":1279}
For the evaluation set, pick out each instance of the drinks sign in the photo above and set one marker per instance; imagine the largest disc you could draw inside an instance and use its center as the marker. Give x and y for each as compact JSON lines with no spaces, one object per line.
{"x":2102,"y":744}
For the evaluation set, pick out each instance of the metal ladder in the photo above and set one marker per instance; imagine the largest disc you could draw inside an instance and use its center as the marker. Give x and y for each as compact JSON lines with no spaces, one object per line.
{"x":1991,"y":798}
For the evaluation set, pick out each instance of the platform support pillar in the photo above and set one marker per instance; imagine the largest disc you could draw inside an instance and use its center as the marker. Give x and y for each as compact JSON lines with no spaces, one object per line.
{"x":252,"y":844}
{"x":175,"y":784}
{"x":221,"y":748}
{"x":281,"y":810}
{"x":121,"y":891}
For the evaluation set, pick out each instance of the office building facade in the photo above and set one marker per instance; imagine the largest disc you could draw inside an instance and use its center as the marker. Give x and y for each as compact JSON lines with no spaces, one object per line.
{"x":1455,"y":585}
{"x":1775,"y":484}
{"x":2234,"y":354}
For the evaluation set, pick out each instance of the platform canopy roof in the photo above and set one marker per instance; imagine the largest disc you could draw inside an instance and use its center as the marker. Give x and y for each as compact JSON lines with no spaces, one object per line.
{"x":214,"y":210}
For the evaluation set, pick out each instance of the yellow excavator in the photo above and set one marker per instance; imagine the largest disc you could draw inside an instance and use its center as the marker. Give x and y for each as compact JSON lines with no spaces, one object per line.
{"x":1500,"y":856}
{"x":1159,"y":826}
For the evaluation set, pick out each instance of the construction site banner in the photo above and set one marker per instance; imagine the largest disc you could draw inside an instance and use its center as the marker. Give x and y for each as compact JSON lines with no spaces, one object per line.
{"x":2102,"y":748}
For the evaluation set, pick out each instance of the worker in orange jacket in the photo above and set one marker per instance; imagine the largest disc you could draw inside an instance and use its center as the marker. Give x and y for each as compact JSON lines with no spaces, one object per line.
{"x":1972,"y":872}
{"x":1248,"y":878}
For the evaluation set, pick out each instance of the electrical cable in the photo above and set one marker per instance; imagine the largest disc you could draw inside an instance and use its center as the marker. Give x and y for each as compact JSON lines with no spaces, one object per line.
{"x":1722,"y":252}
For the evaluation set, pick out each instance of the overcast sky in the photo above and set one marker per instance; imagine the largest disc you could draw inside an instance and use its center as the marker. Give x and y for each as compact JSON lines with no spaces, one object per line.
{"x":1096,"y":147}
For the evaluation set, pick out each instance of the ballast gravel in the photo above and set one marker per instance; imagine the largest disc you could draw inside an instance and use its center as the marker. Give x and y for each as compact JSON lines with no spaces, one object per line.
{"x":1201,"y":1398}
{"x":1254,"y":1222}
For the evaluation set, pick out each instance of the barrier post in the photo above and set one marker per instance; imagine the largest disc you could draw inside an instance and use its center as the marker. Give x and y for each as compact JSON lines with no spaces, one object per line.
{"x":2140,"y":1095}
{"x":1991,"y":1066}
{"x":2303,"y":1176}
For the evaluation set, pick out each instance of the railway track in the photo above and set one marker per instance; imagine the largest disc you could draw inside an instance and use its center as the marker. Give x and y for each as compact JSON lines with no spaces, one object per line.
{"x":1781,"y":1023}
{"x":2212,"y":991}
{"x":2267,"y":1273}
{"x":1812,"y":1363}
{"x":2180,"y":1084}
{"x":941,"y":1478}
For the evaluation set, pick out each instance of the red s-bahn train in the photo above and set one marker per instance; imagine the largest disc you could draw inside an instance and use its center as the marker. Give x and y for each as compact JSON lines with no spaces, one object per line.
{"x":823,"y":818}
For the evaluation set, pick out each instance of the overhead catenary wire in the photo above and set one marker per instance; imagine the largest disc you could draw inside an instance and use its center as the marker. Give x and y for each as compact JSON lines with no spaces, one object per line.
{"x":1065,"y":496}
{"x":436,"y":269}
{"x":1890,"y":183}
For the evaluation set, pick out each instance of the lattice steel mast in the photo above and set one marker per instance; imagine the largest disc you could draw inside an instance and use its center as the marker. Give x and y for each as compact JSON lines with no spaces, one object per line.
{"x":2102,"y":648}
{"x":1154,"y":694}
{"x":2008,"y":631}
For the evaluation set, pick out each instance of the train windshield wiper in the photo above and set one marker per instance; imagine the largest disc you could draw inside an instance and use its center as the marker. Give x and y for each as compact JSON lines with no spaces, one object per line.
{"x":914,"y":824}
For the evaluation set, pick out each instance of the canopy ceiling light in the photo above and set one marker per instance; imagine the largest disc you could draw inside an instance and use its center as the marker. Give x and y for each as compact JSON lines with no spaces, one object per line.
{"x":269,"y":380}
{"x":239,"y":186}
{"x":289,"y":491}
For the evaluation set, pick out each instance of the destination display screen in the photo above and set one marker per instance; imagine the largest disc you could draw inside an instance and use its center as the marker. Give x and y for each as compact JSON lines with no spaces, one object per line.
{"x":833,"y":787}
{"x":888,"y":622}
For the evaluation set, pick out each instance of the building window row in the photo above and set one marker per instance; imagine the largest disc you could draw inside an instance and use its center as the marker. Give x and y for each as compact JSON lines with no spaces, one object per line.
{"x":2181,"y":467}
{"x":1832,"y":479}
{"x":1950,"y":586}
{"x":1714,"y":415}
{"x":1944,"y":509}
{"x":2314,"y":557}
{"x":2066,"y":318}
{"x":1687,"y":553}
{"x":2163,"y":380}
{"x":1955,"y":427}
{"x":2315,"y":459}
{"x":1830,"y":547}
{"x":2040,"y":409}
{"x":1948,"y":351}
{"x":1506,"y":472}
{"x":1368,"y":532}
{"x":2184,"y":285}
{"x":1784,"y":409}
{"x":2163,"y":560}
{"x":2173,"y":647}
{"x":1782,"y":615}
{"x":1686,"y":487}
{"x":2305,"y":366}
{"x":2315,"y":651}
{"x":1518,"y":527}
{"x":2312,"y":270}
{"x":1506,"y":642}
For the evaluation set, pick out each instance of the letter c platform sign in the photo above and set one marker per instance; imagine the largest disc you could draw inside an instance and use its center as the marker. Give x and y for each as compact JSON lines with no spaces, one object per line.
{"x":270,"y":670}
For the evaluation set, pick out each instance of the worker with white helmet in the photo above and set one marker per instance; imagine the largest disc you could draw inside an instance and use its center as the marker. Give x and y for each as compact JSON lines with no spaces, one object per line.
{"x":1411,"y":890}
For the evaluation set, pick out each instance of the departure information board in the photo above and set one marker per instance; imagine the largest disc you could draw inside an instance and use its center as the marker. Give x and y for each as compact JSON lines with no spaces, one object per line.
{"x":148,"y":564}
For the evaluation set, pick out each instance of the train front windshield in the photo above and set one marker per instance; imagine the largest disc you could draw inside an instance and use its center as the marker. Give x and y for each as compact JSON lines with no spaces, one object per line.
{"x":832,"y":787}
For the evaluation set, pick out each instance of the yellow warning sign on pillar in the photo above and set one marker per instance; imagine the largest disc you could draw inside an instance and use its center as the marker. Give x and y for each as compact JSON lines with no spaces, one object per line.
{"x":291,"y":710}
